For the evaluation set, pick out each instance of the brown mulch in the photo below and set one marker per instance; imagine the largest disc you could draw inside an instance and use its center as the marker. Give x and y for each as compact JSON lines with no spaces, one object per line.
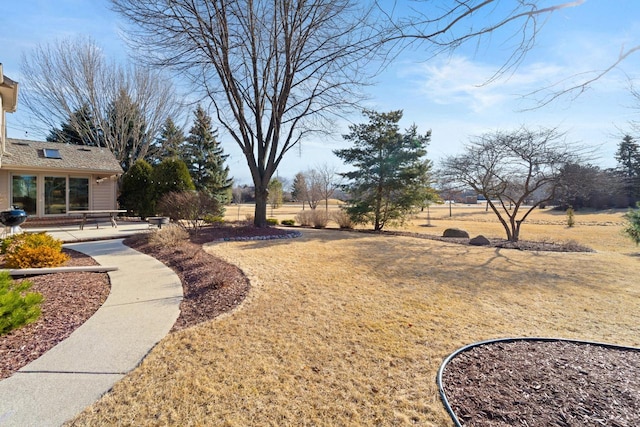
{"x":211,"y":286}
{"x":529,"y":383}
{"x":69,"y":300}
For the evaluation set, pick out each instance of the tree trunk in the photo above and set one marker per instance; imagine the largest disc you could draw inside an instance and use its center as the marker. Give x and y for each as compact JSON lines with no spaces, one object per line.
{"x":260,"y":215}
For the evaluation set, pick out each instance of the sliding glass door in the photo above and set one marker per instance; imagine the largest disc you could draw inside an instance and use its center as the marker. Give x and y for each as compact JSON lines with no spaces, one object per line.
{"x":78,"y":194}
{"x":61,"y":194}
{"x":24,"y":193}
{"x":55,"y":195}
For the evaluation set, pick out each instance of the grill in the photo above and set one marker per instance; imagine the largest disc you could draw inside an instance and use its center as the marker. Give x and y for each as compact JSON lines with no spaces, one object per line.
{"x":13,"y":218}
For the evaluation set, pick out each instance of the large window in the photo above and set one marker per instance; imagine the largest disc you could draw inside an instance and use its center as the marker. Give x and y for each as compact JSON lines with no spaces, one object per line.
{"x":55,"y":194}
{"x":78,"y":194}
{"x":24,"y":193}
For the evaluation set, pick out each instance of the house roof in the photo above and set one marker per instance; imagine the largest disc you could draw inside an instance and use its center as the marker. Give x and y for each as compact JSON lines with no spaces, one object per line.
{"x":24,"y":154}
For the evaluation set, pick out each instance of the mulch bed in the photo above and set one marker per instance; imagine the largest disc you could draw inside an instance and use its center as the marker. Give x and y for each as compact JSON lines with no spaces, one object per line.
{"x":211,"y":286}
{"x":534,"y":383}
{"x":523,"y":245}
{"x":69,"y":300}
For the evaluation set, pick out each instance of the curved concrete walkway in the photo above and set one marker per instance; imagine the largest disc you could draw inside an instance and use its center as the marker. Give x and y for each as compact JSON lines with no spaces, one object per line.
{"x":140,"y":310}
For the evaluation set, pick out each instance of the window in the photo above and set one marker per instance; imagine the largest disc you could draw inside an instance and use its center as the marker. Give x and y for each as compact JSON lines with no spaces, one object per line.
{"x":78,"y":194}
{"x":52,"y":153}
{"x":24,"y":193}
{"x":55,"y":194}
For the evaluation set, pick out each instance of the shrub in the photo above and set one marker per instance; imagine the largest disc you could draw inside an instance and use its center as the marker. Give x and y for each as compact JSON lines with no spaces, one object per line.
{"x":171,"y":175}
{"x":288,"y":222}
{"x":33,"y":250}
{"x":169,"y":235}
{"x":213,"y":219}
{"x":40,"y":257}
{"x":305,"y":218}
{"x":190,"y":206}
{"x":319,"y":218}
{"x":135,"y":195}
{"x":571,"y":221}
{"x":632,"y":227}
{"x":272,"y":221}
{"x":342,"y":218}
{"x":17,"y":308}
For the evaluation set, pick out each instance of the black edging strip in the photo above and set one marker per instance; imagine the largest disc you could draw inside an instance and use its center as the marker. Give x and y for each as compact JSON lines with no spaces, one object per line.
{"x":446,"y":361}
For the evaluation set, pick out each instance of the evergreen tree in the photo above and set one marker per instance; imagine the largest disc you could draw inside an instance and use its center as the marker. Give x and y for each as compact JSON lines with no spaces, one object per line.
{"x":299,"y":189}
{"x":205,"y":158}
{"x":82,"y":120}
{"x":136,"y":195}
{"x":170,"y":175}
{"x":391,"y":170}
{"x":628,"y":157}
{"x":275,"y":193}
{"x":169,"y":144}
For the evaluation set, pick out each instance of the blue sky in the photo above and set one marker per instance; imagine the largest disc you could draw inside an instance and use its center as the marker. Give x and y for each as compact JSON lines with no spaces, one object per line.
{"x":444,"y":94}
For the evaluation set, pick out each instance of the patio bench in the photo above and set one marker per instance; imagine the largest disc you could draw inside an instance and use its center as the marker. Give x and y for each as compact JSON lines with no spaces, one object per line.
{"x":110,"y":214}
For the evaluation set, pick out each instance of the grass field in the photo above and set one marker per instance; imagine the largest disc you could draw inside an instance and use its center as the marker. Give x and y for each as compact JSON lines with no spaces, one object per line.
{"x":349,"y":329}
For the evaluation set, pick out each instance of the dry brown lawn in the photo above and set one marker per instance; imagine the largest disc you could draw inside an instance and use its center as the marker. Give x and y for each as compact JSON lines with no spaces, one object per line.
{"x":349,"y":329}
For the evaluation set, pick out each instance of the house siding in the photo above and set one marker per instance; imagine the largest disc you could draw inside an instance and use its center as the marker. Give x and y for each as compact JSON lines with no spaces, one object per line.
{"x":5,"y":190}
{"x":103,"y":195}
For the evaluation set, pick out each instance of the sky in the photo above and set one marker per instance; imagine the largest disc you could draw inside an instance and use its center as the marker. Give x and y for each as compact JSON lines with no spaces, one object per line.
{"x":445,"y":94}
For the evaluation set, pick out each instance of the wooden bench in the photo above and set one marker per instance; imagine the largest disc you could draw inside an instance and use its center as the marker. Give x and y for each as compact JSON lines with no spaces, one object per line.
{"x":111,"y":214}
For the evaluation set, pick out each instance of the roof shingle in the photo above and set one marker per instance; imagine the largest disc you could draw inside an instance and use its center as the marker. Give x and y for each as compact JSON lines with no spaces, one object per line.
{"x":26,"y":154}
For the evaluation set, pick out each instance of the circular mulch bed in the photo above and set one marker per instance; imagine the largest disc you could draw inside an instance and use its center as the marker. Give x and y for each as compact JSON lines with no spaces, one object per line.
{"x":531,"y":382}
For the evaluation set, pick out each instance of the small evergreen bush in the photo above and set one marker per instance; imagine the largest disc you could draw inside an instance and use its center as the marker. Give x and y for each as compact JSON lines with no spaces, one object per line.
{"x":17,"y":306}
{"x":272,"y":221}
{"x":135,"y":195}
{"x":632,"y":227}
{"x":571,"y":221}
{"x":33,"y":250}
{"x":213,"y":219}
{"x":40,"y":257}
{"x":288,"y":222}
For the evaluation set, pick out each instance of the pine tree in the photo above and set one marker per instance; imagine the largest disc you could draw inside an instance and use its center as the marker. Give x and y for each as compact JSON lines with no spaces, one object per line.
{"x":628,"y":157}
{"x":205,"y":158}
{"x":169,"y":144}
{"x":391,"y":171}
{"x":69,"y":134}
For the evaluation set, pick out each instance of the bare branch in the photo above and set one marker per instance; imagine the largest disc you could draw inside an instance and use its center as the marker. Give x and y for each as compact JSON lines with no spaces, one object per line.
{"x":65,"y":77}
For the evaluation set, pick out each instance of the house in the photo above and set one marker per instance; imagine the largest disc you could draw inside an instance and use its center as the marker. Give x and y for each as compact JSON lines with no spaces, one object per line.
{"x":50,"y":179}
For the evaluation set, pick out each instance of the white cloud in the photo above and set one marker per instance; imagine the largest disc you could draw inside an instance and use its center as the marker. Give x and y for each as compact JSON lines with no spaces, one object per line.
{"x":460,"y":81}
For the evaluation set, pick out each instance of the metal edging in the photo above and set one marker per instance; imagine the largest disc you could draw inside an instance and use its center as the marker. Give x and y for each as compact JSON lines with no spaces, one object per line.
{"x":448,"y":359}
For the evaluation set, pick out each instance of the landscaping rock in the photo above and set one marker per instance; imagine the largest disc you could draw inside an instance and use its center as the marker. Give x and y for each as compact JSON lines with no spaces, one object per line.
{"x":480,"y":241}
{"x":455,"y":232}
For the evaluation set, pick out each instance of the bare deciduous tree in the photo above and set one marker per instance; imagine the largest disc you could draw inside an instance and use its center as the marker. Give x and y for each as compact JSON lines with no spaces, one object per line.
{"x":329,"y":182}
{"x":515,"y":171}
{"x":275,"y":71}
{"x":127,"y":106}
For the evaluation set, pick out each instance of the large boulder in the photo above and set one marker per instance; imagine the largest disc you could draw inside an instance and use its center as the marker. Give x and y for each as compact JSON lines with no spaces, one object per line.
{"x":480,"y":241}
{"x":455,"y":232}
